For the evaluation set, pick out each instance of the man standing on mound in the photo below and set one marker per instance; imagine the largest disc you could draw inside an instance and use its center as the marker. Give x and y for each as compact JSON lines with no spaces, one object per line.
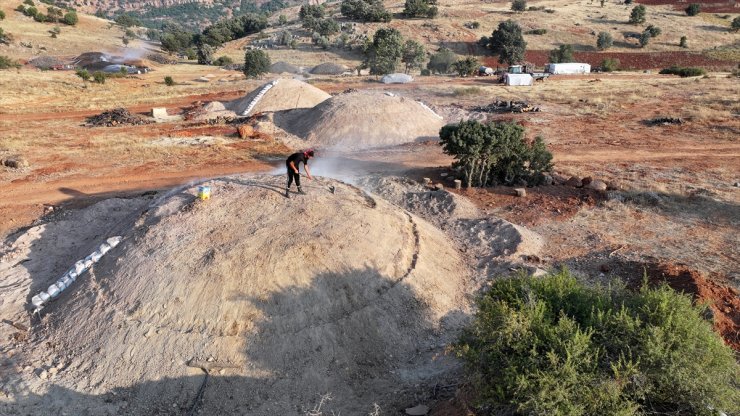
{"x":292,"y":164}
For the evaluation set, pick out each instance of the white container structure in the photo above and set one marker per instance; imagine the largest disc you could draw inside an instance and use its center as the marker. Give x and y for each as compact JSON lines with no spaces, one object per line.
{"x":569,"y":68}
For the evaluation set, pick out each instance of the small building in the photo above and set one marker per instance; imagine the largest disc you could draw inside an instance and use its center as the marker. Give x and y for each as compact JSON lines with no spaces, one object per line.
{"x":518,"y":79}
{"x":568,"y":68}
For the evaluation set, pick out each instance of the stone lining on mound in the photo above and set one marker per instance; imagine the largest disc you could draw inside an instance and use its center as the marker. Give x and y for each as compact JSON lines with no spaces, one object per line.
{"x":277,"y":95}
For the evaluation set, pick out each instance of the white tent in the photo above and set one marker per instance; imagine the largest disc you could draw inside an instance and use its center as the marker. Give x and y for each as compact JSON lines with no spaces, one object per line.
{"x":568,"y":68}
{"x":518,"y":79}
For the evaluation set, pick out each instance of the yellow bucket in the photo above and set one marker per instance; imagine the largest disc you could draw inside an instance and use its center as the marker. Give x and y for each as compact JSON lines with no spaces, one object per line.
{"x":204,"y":192}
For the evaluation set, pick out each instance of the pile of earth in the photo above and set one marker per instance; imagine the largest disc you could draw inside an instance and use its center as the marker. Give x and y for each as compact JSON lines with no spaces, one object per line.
{"x":277,"y":95}
{"x":329,"y":69}
{"x":362,"y":120}
{"x":116,"y":117}
{"x":279,"y":300}
{"x":47,"y":62}
{"x":284,"y":68}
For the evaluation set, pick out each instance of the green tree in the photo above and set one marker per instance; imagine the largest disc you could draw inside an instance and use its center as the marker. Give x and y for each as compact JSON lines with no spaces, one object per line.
{"x":693,"y":9}
{"x":168,"y":81}
{"x":508,"y":43}
{"x":420,"y":8}
{"x":637,"y":16}
{"x":282,"y":20}
{"x":205,"y":54}
{"x":441,"y":62}
{"x":125,"y":41}
{"x":316,"y":11}
{"x":70,"y":18}
{"x":365,"y":10}
{"x":653,"y":30}
{"x":2,"y":15}
{"x":683,"y":42}
{"x":519,"y":5}
{"x":645,"y":38}
{"x":563,"y":54}
{"x":31,"y":11}
{"x":735,"y":26}
{"x":385,"y":52}
{"x":256,"y":63}
{"x":127,"y":20}
{"x":413,"y":55}
{"x":466,"y":66}
{"x":494,"y":153}
{"x":29,"y":2}
{"x":604,"y":41}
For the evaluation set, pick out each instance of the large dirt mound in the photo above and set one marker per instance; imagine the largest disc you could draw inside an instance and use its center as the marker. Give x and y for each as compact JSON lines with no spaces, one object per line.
{"x":282,"y":94}
{"x":281,"y":300}
{"x":362,"y":120}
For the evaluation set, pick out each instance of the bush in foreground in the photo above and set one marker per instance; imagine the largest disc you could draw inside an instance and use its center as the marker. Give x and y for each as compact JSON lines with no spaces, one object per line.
{"x":683,"y":71}
{"x":555,"y":346}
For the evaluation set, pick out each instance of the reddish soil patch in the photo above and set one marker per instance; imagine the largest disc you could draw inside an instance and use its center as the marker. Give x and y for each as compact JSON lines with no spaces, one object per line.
{"x":708,"y":6}
{"x":630,"y":60}
{"x":723,"y":301}
{"x":542,"y":204}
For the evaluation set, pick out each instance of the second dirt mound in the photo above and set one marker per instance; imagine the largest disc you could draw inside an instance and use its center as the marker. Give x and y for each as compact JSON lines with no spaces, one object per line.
{"x":281,"y":94}
{"x":362,"y":120}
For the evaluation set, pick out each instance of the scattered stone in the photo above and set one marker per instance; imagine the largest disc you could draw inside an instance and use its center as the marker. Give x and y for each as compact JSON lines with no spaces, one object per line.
{"x":16,"y":162}
{"x":458,"y":184}
{"x":574,"y":181}
{"x":221,"y":371}
{"x":597,"y":185}
{"x":53,"y":371}
{"x":439,"y":187}
{"x":737,"y":184}
{"x":587,"y":180}
{"x":614,"y":186}
{"x":43,"y":375}
{"x":444,"y":174}
{"x":664,"y":121}
{"x":418,"y":410}
{"x":426,"y":181}
{"x":520,"y":192}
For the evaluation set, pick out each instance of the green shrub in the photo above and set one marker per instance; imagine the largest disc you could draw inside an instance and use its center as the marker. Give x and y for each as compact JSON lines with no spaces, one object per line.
{"x":683,"y":71}
{"x":494,"y":153}
{"x":21,"y":8}
{"x":2,"y":15}
{"x":684,"y":42}
{"x":29,"y":2}
{"x":223,"y":60}
{"x":83,"y":73}
{"x":256,"y":63}
{"x":610,"y":64}
{"x":168,"y":81}
{"x":604,"y":41}
{"x":627,"y":1}
{"x":365,"y":10}
{"x":466,"y":66}
{"x":467,"y":91}
{"x":645,"y":38}
{"x":536,"y":32}
{"x":519,"y":5}
{"x":441,"y":62}
{"x":7,"y":63}
{"x":735,"y":26}
{"x":70,"y":18}
{"x":425,"y":72}
{"x":99,"y":77}
{"x":693,"y":9}
{"x":653,"y":30}
{"x":282,"y":20}
{"x":555,"y":346}
{"x":5,"y":38}
{"x":563,"y":54}
{"x":637,"y":16}
{"x":31,"y":11}
{"x":39,"y":17}
{"x":420,"y":8}
{"x":316,"y":11}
